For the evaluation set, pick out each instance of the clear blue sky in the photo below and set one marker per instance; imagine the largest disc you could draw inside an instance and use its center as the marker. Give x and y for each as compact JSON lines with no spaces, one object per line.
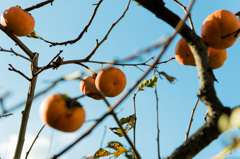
{"x":137,"y":30}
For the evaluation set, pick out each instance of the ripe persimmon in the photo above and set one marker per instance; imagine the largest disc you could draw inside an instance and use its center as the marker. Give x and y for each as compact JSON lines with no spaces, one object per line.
{"x":62,"y":113}
{"x":87,"y":89}
{"x":218,"y":28}
{"x":183,"y":54}
{"x":217,"y":58}
{"x":17,"y":21}
{"x":111,"y":81}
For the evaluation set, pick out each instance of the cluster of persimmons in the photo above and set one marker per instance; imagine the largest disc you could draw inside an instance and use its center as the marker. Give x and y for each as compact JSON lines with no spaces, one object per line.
{"x":219,"y":31}
{"x":58,"y":110}
{"x":66,"y":114}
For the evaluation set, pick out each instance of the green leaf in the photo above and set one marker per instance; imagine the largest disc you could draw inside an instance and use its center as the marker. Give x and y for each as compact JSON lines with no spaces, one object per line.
{"x":130,"y":121}
{"x":101,"y":153}
{"x":169,"y":78}
{"x":148,"y":83}
{"x":33,"y":35}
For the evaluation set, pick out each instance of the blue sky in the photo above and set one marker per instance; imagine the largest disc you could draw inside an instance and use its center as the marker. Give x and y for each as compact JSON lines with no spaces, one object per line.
{"x":137,"y":30}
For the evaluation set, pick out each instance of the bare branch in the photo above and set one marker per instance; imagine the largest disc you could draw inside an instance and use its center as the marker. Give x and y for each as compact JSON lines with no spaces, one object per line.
{"x":191,"y":120}
{"x":27,"y":108}
{"x":134,"y":128}
{"x":18,"y":42}
{"x":38,"y":5}
{"x":186,"y":11}
{"x":104,"y":133}
{"x":157,"y":119}
{"x":235,"y":33}
{"x":81,"y":34}
{"x":12,"y":51}
{"x":34,"y":142}
{"x":13,"y":69}
{"x":105,"y":38}
{"x":43,"y":68}
{"x":7,"y":115}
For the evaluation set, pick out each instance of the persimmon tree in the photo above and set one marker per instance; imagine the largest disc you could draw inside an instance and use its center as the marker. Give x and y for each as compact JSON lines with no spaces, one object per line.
{"x":219,"y":118}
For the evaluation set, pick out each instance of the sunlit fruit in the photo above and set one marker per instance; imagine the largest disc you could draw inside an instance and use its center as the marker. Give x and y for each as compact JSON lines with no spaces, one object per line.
{"x":62,"y":113}
{"x":87,"y":89}
{"x":218,"y":29}
{"x":217,"y":58}
{"x":111,"y":81}
{"x":17,"y":21}
{"x":183,"y":54}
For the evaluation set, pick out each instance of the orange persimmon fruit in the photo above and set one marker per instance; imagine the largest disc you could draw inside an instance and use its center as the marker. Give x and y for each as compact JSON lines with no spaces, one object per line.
{"x":87,"y":89}
{"x":17,"y":21}
{"x":62,"y":113}
{"x":217,"y":57}
{"x":218,"y":29}
{"x":111,"y":81}
{"x":183,"y":54}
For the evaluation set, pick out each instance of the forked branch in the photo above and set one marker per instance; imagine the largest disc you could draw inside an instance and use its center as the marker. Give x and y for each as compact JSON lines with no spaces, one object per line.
{"x":81,"y":34}
{"x":105,"y":38}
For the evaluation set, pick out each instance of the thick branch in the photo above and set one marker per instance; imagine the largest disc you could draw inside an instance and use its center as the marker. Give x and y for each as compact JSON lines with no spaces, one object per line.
{"x":207,"y":94}
{"x":200,"y":139}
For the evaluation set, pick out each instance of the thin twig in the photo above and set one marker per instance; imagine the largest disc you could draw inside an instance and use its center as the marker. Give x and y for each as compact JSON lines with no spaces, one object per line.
{"x":134,"y":128}
{"x":43,"y":68}
{"x":6,"y":115}
{"x":38,"y":5}
{"x":104,"y":134}
{"x":12,"y":51}
{"x":81,"y":34}
{"x":109,"y":63}
{"x":50,"y":146}
{"x":186,"y":11}
{"x":191,"y":120}
{"x":13,"y":69}
{"x":235,"y":32}
{"x":2,"y":98}
{"x":238,"y":13}
{"x":34,"y":142}
{"x":105,"y":38}
{"x":158,"y":130}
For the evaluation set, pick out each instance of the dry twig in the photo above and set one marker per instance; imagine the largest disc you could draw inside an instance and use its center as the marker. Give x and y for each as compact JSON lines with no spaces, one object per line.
{"x":13,"y":69}
{"x":34,"y":142}
{"x":81,"y":34}
{"x":38,"y":5}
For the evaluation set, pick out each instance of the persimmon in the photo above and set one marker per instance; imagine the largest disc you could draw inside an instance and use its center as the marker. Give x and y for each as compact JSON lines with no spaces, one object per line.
{"x":111,"y":81}
{"x":62,"y":113}
{"x":217,"y":57}
{"x":17,"y":21}
{"x":218,"y":29}
{"x":183,"y":54}
{"x":87,"y":89}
